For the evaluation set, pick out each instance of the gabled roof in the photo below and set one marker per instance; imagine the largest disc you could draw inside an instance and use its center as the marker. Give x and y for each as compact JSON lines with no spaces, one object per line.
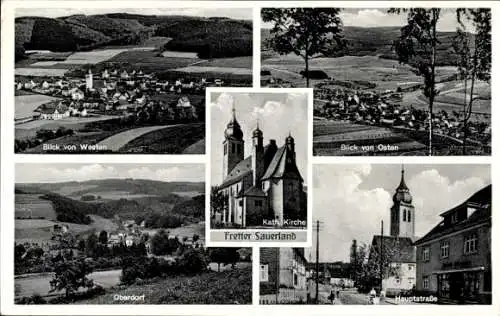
{"x":404,"y":250}
{"x":279,"y":168}
{"x":482,"y":215}
{"x":254,"y":191}
{"x":239,"y":171}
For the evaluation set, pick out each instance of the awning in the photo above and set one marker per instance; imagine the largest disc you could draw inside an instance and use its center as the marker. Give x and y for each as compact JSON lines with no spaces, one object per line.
{"x":459,"y":270}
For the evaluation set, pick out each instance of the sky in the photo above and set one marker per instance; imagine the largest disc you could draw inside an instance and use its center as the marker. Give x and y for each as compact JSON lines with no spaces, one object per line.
{"x":277,"y":113}
{"x":235,"y":13}
{"x":351,"y":200}
{"x":378,"y":17}
{"x":45,"y":173}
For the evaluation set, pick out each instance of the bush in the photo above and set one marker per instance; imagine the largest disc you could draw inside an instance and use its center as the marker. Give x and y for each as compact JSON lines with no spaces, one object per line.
{"x":193,"y":261}
{"x":34,"y":299}
{"x":314,"y":74}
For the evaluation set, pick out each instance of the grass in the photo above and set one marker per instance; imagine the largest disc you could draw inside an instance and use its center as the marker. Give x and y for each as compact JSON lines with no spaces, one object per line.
{"x":235,"y":62}
{"x":169,"y":140}
{"x":148,"y":61}
{"x":31,"y":205}
{"x":228,"y":287}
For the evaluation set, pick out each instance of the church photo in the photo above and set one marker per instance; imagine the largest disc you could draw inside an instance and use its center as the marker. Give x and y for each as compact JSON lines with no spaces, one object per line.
{"x":259,"y":151}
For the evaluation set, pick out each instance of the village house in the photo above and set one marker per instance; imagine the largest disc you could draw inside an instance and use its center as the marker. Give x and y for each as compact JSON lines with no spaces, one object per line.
{"x":454,"y":258}
{"x":282,"y":275}
{"x":54,"y":112}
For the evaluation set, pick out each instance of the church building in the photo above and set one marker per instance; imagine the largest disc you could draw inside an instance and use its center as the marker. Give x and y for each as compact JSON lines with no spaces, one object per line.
{"x":398,"y":247}
{"x":263,"y":189}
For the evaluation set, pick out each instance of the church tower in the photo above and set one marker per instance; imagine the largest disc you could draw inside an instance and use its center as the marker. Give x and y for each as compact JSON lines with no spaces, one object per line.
{"x":257,"y":156}
{"x":89,"y":80}
{"x":233,"y":145}
{"x":402,"y":211}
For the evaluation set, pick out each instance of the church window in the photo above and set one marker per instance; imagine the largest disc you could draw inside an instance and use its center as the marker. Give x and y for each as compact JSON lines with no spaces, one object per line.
{"x":258,"y":203}
{"x":409,"y":216}
{"x":225,"y":149}
{"x":264,"y":273}
{"x":404,"y":215}
{"x":233,"y":148}
{"x":241,"y":203}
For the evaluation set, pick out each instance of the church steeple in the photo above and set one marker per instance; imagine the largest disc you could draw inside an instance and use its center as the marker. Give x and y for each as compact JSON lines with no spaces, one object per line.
{"x":233,"y":144}
{"x":402,"y":212}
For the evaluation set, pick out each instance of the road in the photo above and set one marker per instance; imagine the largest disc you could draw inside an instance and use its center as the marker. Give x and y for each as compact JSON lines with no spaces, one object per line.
{"x":27,"y":285}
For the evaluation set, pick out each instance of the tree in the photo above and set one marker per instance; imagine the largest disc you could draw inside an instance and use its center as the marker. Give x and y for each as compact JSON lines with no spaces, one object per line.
{"x":161,"y":244}
{"x":103,"y":237}
{"x":218,"y":202}
{"x":473,"y":56}
{"x":369,"y":274}
{"x":19,"y":251}
{"x":306,"y":32}
{"x":91,"y":245}
{"x":416,"y":46}
{"x":224,"y":256}
{"x":70,"y":276}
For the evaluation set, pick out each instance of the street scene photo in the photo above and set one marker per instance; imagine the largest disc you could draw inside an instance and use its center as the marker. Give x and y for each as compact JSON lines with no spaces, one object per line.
{"x":389,"y":234}
{"x":120,"y":234}
{"x":389,"y":82}
{"x":110,"y":81}
{"x":259,"y":153}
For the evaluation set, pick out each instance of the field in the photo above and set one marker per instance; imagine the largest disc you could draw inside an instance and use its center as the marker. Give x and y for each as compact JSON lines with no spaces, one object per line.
{"x":149,"y":61}
{"x":235,"y":62}
{"x":228,"y":287}
{"x":174,"y":54}
{"x":385,"y":73}
{"x":330,"y":136}
{"x":169,"y":140}
{"x":117,"y":141}
{"x":116,"y":195}
{"x":25,"y":105}
{"x":40,"y":72}
{"x":31,"y":205}
{"x":39,"y":230}
{"x":209,"y":69}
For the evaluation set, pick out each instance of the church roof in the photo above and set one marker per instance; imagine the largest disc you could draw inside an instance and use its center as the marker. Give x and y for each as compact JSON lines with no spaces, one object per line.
{"x":239,"y":171}
{"x":254,"y":191}
{"x":279,"y":168}
{"x":404,"y":250}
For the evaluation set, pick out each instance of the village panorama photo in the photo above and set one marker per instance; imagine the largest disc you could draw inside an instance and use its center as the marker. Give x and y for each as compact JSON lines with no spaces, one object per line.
{"x":387,"y":81}
{"x":120,"y":234}
{"x":123,"y":80}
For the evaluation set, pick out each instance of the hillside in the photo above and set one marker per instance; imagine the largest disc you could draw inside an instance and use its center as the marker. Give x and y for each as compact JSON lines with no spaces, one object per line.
{"x":132,"y":186}
{"x":378,"y":41}
{"x":215,"y":37}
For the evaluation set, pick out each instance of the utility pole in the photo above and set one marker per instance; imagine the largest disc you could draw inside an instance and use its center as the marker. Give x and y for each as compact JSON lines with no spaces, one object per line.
{"x":381,"y":252}
{"x":317,"y":262}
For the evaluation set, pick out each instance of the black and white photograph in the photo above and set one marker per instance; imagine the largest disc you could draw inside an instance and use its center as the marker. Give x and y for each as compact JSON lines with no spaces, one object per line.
{"x":116,"y":81}
{"x":259,"y":157}
{"x":390,"y":234}
{"x":120,"y":234}
{"x":388,"y":81}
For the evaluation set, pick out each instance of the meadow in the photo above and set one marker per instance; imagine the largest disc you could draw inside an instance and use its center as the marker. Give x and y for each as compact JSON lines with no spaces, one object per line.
{"x":31,"y":205}
{"x":206,"y":288}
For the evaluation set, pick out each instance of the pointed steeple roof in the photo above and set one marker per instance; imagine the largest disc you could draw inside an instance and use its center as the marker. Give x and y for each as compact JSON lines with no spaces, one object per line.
{"x":402,"y":191}
{"x":233,"y":129}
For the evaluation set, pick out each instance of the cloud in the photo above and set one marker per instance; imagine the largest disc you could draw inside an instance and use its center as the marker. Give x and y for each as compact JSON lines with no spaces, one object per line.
{"x":43,"y":173}
{"x":438,"y":195}
{"x":347,"y":211}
